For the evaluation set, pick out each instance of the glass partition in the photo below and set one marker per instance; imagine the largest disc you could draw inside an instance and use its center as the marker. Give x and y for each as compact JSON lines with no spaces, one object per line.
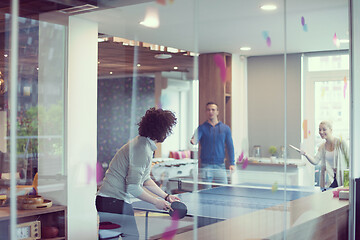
{"x":261,"y":95}
{"x":40,"y":164}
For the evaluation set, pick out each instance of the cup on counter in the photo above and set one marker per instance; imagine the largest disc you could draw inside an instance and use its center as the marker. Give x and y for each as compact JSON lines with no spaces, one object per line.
{"x":256,"y":152}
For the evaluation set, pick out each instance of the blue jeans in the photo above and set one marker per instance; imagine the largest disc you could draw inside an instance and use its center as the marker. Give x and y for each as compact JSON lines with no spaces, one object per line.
{"x":213,"y":172}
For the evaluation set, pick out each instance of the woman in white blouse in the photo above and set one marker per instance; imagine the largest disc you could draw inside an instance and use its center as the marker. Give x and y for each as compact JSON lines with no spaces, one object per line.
{"x":333,"y":157}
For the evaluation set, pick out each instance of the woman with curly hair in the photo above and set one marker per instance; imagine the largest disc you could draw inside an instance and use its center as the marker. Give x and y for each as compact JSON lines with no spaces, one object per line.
{"x":128,"y":175}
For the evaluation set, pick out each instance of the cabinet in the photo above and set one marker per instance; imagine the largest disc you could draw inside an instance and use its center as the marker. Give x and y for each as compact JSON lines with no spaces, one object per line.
{"x":53,"y":216}
{"x":212,"y":88}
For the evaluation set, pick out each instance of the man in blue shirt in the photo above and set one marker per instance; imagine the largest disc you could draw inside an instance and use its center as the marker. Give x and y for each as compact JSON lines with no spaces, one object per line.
{"x":213,"y":136}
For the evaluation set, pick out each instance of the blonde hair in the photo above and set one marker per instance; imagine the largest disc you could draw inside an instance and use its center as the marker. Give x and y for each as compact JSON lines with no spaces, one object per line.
{"x":327,"y":123}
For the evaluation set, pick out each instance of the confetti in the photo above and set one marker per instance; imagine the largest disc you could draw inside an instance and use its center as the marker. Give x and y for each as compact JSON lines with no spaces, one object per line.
{"x":274,"y":187}
{"x":99,"y":172}
{"x":162,"y":2}
{"x":245,"y":163}
{"x":170,"y":231}
{"x":268,"y":41}
{"x":265,"y":34}
{"x":345,"y":86}
{"x":90,"y":173}
{"x":336,"y":41}
{"x":303,"y":24}
{"x":305,"y":28}
{"x":305,"y":128}
{"x":241,"y":157}
{"x":220,"y":62}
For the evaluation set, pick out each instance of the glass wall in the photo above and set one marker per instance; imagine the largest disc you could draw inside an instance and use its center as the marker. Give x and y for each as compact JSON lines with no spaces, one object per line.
{"x":39,"y":194}
{"x":262,"y":97}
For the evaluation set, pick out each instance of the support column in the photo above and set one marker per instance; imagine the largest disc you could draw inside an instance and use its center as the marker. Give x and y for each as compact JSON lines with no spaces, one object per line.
{"x":81,"y":130}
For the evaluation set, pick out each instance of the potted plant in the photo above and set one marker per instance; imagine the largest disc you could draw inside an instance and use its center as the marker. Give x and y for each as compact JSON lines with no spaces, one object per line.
{"x":272,"y":151}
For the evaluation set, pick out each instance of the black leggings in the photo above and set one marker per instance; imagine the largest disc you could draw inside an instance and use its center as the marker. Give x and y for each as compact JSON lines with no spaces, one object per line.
{"x":119,"y":212}
{"x":334,"y":184}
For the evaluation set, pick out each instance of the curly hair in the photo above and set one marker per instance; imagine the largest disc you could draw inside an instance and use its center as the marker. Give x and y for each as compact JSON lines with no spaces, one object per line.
{"x":157,"y":124}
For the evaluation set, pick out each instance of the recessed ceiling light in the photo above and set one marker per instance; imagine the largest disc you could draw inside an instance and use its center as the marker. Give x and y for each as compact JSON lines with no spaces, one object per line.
{"x":163,"y":56}
{"x":176,"y":68}
{"x":245,"y":48}
{"x":138,"y":65}
{"x":5,"y":55}
{"x":151,"y":19}
{"x":110,"y":73}
{"x":268,"y":7}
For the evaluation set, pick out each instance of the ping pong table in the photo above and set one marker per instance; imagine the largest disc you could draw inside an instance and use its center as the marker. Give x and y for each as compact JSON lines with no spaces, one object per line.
{"x":225,"y":202}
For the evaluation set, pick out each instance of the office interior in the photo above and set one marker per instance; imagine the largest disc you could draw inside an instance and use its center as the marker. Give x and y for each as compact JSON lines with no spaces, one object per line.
{"x":76,"y":76}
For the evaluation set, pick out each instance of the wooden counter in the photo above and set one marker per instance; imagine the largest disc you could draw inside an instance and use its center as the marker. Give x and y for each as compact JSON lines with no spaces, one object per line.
{"x":318,"y":216}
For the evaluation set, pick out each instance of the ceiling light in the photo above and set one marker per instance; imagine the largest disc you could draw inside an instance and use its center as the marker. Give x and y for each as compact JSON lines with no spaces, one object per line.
{"x":110,"y":73}
{"x":138,"y":65}
{"x":163,"y":56}
{"x":176,"y":68}
{"x":5,"y":55}
{"x":268,"y":7}
{"x":245,"y":48}
{"x":151,"y":19}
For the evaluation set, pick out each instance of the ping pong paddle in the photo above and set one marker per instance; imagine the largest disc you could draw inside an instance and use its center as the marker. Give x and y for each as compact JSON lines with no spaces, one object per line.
{"x":295,"y":148}
{"x":179,"y":210}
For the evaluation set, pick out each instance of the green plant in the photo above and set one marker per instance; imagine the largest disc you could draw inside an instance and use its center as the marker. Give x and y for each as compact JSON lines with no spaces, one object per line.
{"x":272,"y":150}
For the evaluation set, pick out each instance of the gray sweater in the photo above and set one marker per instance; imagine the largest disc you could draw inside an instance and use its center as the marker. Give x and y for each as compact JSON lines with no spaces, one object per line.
{"x":128,"y":170}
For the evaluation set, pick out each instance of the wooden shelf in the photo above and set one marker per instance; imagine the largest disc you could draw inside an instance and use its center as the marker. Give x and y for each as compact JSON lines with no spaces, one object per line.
{"x":52,"y":216}
{"x":212,"y":88}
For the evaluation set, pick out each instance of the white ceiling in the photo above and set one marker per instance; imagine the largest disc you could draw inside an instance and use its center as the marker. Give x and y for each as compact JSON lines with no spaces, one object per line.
{"x":225,"y":26}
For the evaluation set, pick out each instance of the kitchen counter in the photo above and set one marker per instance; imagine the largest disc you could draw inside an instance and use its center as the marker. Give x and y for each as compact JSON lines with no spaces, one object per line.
{"x":265,"y":170}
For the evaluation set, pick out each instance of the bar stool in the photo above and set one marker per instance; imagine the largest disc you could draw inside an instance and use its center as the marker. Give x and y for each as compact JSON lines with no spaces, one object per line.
{"x":109,"y":230}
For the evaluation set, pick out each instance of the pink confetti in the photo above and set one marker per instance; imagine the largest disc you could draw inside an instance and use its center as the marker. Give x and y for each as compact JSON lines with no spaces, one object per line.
{"x":171,"y":230}
{"x":162,"y":2}
{"x":90,"y":173}
{"x":220,"y":62}
{"x":302,"y":21}
{"x":345,"y":86}
{"x":245,"y":163}
{"x":241,"y":157}
{"x":336,"y":41}
{"x":99,"y":172}
{"x":268,"y":41}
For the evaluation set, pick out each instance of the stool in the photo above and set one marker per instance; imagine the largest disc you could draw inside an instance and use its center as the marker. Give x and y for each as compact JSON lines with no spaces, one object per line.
{"x":109,"y":230}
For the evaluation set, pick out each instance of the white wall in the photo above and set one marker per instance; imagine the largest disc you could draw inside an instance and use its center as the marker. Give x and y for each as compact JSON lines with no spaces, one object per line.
{"x":266,"y":101}
{"x":176,"y":98}
{"x":81,"y":128}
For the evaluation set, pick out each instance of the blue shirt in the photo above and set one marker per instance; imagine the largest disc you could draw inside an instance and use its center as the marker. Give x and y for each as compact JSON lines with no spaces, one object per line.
{"x":213,"y":140}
